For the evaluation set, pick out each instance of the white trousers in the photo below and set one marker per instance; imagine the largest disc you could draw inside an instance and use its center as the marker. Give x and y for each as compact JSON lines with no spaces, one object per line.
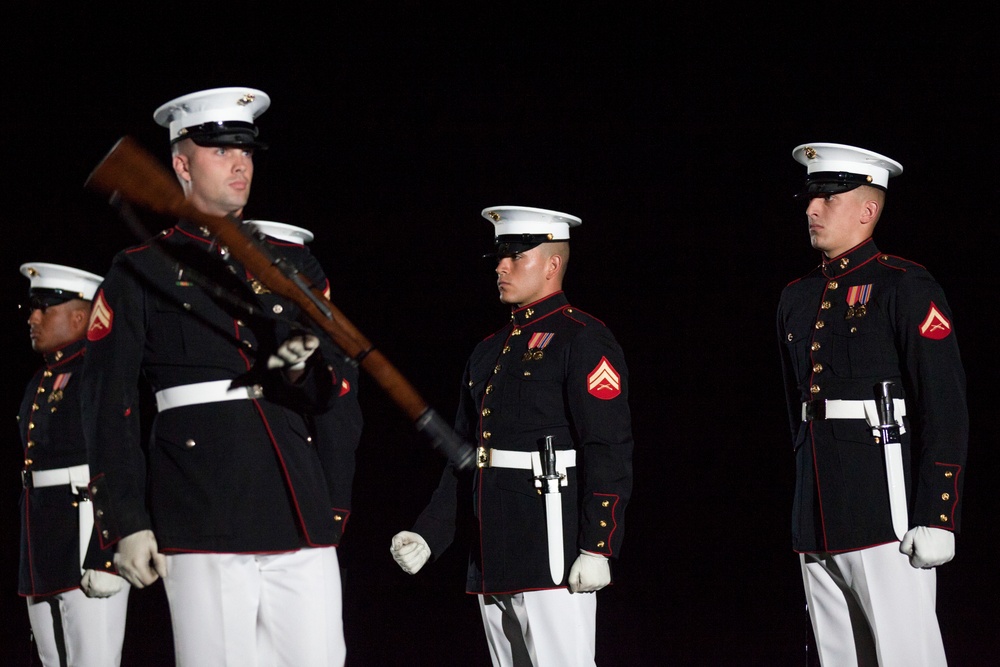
{"x":870,"y":607}
{"x":541,"y":628}
{"x":257,"y":610}
{"x":74,"y":630}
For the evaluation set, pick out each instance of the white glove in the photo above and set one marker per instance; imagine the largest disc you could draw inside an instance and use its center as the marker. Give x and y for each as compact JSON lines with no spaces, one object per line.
{"x":133,"y":556}
{"x":100,"y":584}
{"x":410,"y":551}
{"x":590,"y":572}
{"x":928,"y":547}
{"x":292,"y":354}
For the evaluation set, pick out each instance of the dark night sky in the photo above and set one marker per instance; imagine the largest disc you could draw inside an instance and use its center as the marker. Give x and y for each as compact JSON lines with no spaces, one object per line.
{"x":669,"y":133}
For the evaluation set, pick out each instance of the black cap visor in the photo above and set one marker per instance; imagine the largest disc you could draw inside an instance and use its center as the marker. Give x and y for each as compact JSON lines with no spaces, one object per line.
{"x":226,"y":133}
{"x":822,"y":183}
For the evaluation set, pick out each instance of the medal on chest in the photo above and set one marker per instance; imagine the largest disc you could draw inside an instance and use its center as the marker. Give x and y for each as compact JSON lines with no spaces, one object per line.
{"x":857,"y":300}
{"x":536,"y":344}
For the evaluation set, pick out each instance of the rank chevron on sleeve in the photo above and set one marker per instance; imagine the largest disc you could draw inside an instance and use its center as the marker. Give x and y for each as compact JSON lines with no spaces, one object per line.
{"x":604,"y":382}
{"x":101,"y":317}
{"x":935,"y":325}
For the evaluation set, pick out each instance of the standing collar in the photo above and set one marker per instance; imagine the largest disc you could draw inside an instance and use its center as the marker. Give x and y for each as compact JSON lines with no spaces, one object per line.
{"x":533,"y":312}
{"x":65,"y":353}
{"x":850,"y":260}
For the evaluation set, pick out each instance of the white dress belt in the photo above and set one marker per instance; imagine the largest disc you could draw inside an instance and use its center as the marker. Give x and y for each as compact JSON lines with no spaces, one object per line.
{"x":843,"y":409}
{"x":75,"y":476}
{"x":505,"y":458}
{"x":204,"y":392}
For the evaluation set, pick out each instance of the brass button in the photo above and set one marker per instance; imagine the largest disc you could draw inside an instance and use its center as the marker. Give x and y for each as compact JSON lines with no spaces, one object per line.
{"x":818,"y":368}
{"x":605,"y":503}
{"x":600,"y":544}
{"x":47,"y":374}
{"x":826,"y":305}
{"x":820,"y":324}
{"x":814,"y":389}
{"x":527,"y":373}
{"x":471,"y":383}
{"x":189,"y":443}
{"x":604,"y":524}
{"x":832,"y":284}
{"x":885,"y":257}
{"x":93,"y":490}
{"x":31,"y":443}
{"x":489,"y":389}
{"x":486,"y":412}
{"x":107,"y":564}
{"x":99,"y":513}
{"x":506,"y":349}
{"x":790,"y":337}
{"x":815,"y":346}
{"x":277,"y":308}
{"x":496,"y":369}
{"x":487,"y":435}
{"x":105,"y":534}
{"x":945,"y":496}
{"x":240,"y":323}
{"x":944,"y":518}
{"x":187,"y":306}
{"x":949,"y":474}
{"x":34,"y":406}
{"x":337,"y":517}
{"x":854,"y":330}
{"x":27,"y":462}
{"x":515,"y":332}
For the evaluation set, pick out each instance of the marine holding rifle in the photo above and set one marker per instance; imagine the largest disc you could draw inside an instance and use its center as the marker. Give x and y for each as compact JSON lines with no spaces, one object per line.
{"x":876,"y":403}
{"x":244,"y":489}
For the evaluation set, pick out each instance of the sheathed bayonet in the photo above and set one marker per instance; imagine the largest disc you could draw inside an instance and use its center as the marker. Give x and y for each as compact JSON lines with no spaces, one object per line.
{"x":889,"y":434}
{"x":549,"y":482}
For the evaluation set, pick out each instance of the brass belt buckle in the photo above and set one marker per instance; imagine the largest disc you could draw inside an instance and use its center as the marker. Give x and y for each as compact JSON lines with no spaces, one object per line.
{"x":482,"y":457}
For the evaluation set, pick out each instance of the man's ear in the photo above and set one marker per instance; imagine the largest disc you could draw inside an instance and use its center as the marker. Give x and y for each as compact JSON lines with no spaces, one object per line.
{"x":181,"y":167}
{"x":555,"y":263}
{"x":869,"y":211}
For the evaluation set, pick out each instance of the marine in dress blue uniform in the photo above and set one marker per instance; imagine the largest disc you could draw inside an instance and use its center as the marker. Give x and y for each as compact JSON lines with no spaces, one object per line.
{"x":860,"y":318}
{"x":61,"y":562}
{"x":552,"y":371}
{"x":249,"y":468}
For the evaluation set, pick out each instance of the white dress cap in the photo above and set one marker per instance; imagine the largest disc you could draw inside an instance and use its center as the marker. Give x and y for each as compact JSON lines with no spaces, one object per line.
{"x":282,"y":231}
{"x":217,"y":106}
{"x":825,"y":158}
{"x":510,"y":221}
{"x":66,"y":279}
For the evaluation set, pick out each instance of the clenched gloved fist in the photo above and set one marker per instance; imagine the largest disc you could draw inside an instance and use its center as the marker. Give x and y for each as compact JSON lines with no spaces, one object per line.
{"x":410,"y":551}
{"x":928,"y":547}
{"x":590,"y":572}
{"x":137,"y":558}
{"x":100,"y":584}
{"x":292,"y":354}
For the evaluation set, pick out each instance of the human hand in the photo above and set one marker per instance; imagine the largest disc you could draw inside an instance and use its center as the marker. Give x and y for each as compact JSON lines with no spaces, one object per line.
{"x":590,"y":572}
{"x":134,"y":555}
{"x":292,"y":354}
{"x":928,"y":547}
{"x":410,"y":551}
{"x":100,"y":584}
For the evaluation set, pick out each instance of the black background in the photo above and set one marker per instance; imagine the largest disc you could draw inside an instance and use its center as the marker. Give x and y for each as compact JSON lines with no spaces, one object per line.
{"x":669,"y":131}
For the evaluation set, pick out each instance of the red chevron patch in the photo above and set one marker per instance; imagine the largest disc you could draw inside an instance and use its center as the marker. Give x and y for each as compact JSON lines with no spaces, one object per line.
{"x":604,"y":382}
{"x":935,"y":326}
{"x":101,"y":317}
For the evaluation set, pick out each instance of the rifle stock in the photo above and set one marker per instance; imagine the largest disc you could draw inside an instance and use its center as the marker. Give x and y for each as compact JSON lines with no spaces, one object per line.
{"x":132,"y":173}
